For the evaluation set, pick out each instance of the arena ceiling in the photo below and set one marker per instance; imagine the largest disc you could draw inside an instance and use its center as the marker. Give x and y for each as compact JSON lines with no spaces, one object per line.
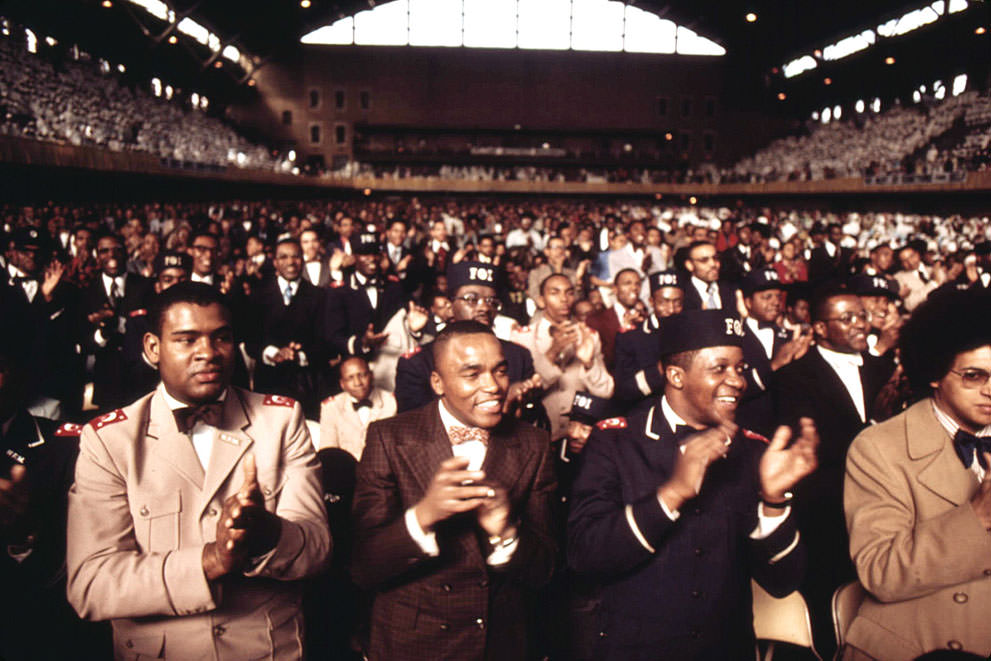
{"x":266,"y":29}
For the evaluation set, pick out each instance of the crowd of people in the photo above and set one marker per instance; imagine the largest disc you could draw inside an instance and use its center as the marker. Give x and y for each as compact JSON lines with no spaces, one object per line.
{"x":74,"y":101}
{"x":479,"y":405}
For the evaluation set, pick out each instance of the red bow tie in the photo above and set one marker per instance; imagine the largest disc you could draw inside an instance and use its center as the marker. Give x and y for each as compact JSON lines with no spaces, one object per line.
{"x":187,"y":417}
{"x":459,"y":435}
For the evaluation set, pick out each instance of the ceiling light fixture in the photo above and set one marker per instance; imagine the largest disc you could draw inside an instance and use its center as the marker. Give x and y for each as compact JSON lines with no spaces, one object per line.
{"x":751,"y":17}
{"x":173,"y":39}
{"x":889,"y":60}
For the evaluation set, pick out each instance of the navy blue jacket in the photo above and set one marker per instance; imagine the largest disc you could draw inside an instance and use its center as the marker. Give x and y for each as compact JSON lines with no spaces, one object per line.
{"x":636,"y":372}
{"x":757,"y":404}
{"x":688,"y":596}
{"x":413,"y":373}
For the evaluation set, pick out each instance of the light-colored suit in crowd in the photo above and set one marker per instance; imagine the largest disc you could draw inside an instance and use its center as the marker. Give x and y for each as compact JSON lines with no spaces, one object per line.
{"x":919,"y":548}
{"x":918,"y":288}
{"x":341,"y":425}
{"x":143,"y":507}
{"x":561,"y":380}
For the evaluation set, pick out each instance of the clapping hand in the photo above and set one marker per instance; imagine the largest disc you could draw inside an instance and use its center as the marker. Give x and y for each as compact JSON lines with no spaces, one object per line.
{"x":783,"y":466}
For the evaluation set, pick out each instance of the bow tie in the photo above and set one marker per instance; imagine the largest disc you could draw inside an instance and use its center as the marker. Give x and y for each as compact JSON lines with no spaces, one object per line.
{"x":682,"y":432}
{"x":362,"y":403}
{"x":187,"y":417}
{"x":965,"y":443}
{"x":765,"y":324}
{"x":20,"y":279}
{"x":371,"y":282}
{"x":459,"y":435}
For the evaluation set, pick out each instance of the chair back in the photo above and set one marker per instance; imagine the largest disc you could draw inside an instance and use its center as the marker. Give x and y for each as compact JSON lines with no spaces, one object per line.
{"x":784,"y":620}
{"x":846,"y":603}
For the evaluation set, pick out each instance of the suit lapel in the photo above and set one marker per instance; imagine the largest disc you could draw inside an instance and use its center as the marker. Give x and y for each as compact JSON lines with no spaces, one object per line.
{"x":427,"y":448}
{"x":503,"y":459}
{"x":944,"y":475}
{"x":173,"y":447}
{"x":822,"y":371}
{"x":231,"y":442}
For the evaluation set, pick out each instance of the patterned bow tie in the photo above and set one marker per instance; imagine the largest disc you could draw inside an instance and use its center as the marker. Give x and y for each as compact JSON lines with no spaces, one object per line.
{"x":363,"y":403}
{"x":187,"y":417}
{"x":965,"y":443}
{"x":459,"y":435}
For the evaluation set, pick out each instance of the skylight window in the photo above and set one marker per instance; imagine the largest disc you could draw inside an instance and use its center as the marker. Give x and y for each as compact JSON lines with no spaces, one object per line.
{"x":799,"y":65}
{"x":849,"y":46}
{"x":960,"y":84}
{"x":592,"y":25}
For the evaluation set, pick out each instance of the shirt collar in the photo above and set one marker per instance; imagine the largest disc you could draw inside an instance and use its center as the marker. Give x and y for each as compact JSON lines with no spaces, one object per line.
{"x":175,"y":404}
{"x":754,"y":325}
{"x":949,"y":424}
{"x":283,"y":283}
{"x":207,"y":279}
{"x":838,"y":358}
{"x":701,"y":284}
{"x":16,"y":272}
{"x":447,"y":418}
{"x":108,"y":281}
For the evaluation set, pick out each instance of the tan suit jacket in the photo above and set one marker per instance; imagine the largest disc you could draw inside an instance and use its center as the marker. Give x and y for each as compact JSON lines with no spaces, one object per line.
{"x":562,"y":380}
{"x":142,"y":508}
{"x":340,"y":425}
{"x":918,"y":290}
{"x":918,"y":546}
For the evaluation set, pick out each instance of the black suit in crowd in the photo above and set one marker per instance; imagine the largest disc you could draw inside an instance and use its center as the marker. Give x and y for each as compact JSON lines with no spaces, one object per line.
{"x":756,"y":409}
{"x":636,"y":372}
{"x":109,"y":385}
{"x":277,"y":324}
{"x":810,"y":387}
{"x":689,"y":597}
{"x":36,"y":621}
{"x":413,"y":373}
{"x":727,"y":296}
{"x":823,"y":268}
{"x":734,"y":264}
{"x":349,"y":311}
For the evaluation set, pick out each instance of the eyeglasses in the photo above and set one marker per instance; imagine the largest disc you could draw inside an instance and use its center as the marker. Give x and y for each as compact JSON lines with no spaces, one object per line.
{"x":851,"y":317}
{"x":472,"y":300}
{"x":973,"y":378}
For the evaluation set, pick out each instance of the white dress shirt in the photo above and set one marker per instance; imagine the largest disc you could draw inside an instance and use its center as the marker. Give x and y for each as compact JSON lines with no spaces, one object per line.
{"x":764,"y":335}
{"x":29,"y":285}
{"x":108,"y":284}
{"x":371,"y":292}
{"x":847,"y":367}
{"x":202,"y":434}
{"x":313,"y":270}
{"x":703,"y":289}
{"x":475,"y":451}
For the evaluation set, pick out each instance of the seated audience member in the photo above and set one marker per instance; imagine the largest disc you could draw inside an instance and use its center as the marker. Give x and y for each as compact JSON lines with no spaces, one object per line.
{"x":836,"y":383}
{"x":452,"y":513}
{"x":316,"y":268}
{"x":557,"y":255}
{"x":767,"y":347}
{"x":704,"y":290}
{"x":916,"y":279}
{"x":880,"y":297}
{"x":471,"y":286}
{"x":567,"y":355}
{"x":791,"y":267}
{"x":170,"y":268}
{"x":638,"y":372}
{"x":196,"y":509}
{"x":918,"y":494}
{"x":345,"y":417}
{"x":678,"y":501}
{"x":36,"y":467}
{"x":623,"y":316}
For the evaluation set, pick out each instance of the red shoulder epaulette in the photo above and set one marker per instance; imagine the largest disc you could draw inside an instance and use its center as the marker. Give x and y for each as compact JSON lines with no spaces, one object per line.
{"x":612,"y":423}
{"x":108,"y":419}
{"x":279,"y":400}
{"x":392,"y":278}
{"x":336,"y":284}
{"x":69,"y":429}
{"x":140,"y":312}
{"x":522,"y":329}
{"x":757,"y":437}
{"x":327,"y":401}
{"x":412,"y":352}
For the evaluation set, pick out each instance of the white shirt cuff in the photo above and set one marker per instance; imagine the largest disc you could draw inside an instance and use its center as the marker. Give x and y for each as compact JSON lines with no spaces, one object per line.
{"x":268,"y":355}
{"x":636,"y":529}
{"x":99,"y":339}
{"x":503,"y":553}
{"x":301,"y":358}
{"x":427,"y":541}
{"x":671,"y":514}
{"x":768,"y":524}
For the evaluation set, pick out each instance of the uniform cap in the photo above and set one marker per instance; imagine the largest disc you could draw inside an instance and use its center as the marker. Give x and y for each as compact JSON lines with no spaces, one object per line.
{"x":699,"y":329}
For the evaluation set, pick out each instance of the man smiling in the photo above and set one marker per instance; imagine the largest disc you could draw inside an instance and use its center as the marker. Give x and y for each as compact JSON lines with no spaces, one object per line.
{"x":452,"y":513}
{"x":195,"y":507}
{"x":676,"y":508}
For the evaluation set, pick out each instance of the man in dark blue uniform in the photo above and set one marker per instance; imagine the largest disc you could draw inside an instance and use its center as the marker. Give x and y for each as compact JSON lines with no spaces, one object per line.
{"x":767,"y":347}
{"x":676,"y":508}
{"x":638,"y":353}
{"x":472,"y":289}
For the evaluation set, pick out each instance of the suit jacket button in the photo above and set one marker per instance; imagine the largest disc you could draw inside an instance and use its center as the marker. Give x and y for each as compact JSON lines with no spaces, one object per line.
{"x":219,"y":630}
{"x":480,"y":622}
{"x":484,"y":583}
{"x":955,"y":645}
{"x":960,"y":597}
{"x":444,"y":626}
{"x":446,"y":587}
{"x":698,"y":551}
{"x":143,"y":511}
{"x":129,"y":643}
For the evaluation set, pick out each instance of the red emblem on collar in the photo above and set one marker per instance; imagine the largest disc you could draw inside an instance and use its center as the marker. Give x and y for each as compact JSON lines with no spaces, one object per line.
{"x":279,"y":400}
{"x":108,"y":419}
{"x":612,"y":423}
{"x":69,"y":429}
{"x":140,"y":312}
{"x":412,"y":352}
{"x":757,"y":437}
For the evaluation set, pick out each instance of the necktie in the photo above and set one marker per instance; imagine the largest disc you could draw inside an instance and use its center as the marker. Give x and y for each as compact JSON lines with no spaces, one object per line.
{"x":923,"y":277}
{"x":710,"y":302}
{"x":459,"y":435}
{"x":187,"y":417}
{"x":965,"y":443}
{"x":363,"y":403}
{"x":114,"y":293}
{"x":287,"y":295}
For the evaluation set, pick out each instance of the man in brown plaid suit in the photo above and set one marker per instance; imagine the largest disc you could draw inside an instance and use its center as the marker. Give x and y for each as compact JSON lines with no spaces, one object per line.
{"x":452,"y":514}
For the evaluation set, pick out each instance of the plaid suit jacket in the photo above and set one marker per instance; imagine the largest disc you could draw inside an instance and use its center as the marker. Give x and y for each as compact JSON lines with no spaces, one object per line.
{"x":454,"y":606}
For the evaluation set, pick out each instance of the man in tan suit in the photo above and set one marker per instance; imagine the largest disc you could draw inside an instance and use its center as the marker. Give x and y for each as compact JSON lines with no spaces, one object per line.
{"x":566,"y":354}
{"x":196,"y":507}
{"x":918,"y":494}
{"x":344,"y":417}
